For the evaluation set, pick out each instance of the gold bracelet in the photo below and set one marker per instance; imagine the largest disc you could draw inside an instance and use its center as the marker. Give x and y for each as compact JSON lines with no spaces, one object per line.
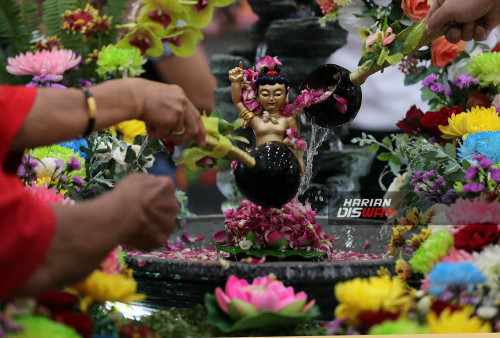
{"x":246,"y":115}
{"x":91,"y":104}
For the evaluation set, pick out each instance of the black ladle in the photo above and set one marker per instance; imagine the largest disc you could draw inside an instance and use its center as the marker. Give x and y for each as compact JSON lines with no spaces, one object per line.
{"x":346,"y":85}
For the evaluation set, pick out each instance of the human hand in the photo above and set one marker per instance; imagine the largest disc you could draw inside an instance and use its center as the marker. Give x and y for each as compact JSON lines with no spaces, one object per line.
{"x":148,"y":207}
{"x":476,"y":18}
{"x":168,"y":113}
{"x":236,"y":74}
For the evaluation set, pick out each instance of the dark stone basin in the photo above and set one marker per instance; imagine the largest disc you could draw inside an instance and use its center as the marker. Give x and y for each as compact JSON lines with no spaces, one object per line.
{"x":176,"y":283}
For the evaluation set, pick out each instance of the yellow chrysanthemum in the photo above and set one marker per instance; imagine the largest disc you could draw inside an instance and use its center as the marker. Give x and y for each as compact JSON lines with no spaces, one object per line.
{"x":100,"y":287}
{"x":461,"y":321}
{"x":475,"y":120}
{"x":129,"y":129}
{"x":377,"y":293}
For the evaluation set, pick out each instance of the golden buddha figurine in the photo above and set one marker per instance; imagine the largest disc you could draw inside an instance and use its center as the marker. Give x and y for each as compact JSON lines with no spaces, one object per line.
{"x":260,"y":99}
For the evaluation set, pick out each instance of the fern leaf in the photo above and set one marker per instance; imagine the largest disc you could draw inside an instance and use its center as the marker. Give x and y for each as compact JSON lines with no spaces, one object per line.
{"x":117,"y":10}
{"x":52,"y":17}
{"x":30,"y":14}
{"x":13,"y":34}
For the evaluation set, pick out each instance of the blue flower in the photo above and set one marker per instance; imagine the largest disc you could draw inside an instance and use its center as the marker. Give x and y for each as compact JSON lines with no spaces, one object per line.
{"x":444,"y":275}
{"x":75,"y":146}
{"x":483,"y":142}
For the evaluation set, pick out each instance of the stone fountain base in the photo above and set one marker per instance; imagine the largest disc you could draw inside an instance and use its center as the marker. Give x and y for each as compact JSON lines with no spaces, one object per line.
{"x":176,"y":283}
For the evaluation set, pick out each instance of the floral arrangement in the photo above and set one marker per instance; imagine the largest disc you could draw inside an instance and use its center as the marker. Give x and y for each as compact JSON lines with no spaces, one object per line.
{"x":257,"y":232}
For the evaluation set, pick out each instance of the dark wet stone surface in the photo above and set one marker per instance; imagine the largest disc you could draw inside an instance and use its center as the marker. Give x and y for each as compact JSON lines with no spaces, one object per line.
{"x":174,"y":283}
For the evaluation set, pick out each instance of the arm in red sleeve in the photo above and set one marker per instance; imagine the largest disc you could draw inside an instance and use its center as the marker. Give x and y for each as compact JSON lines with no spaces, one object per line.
{"x":26,"y":225}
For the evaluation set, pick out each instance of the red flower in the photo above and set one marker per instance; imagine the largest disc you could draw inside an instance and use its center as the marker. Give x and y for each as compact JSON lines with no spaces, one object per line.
{"x":439,"y":305}
{"x":496,"y":48}
{"x":80,"y":322}
{"x":478,"y":100}
{"x":169,"y":146}
{"x":475,"y":237}
{"x":411,"y":123}
{"x":57,"y":301}
{"x":432,"y":119}
{"x":131,"y":331}
{"x":371,"y":318}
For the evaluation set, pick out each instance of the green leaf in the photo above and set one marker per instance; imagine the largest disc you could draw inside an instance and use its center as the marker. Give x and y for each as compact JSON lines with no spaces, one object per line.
{"x":396,"y":47}
{"x":450,"y":150}
{"x":235,"y":249}
{"x":384,"y":156}
{"x":374,"y":147}
{"x":130,"y":156}
{"x":394,"y":159}
{"x":395,"y":168}
{"x":104,"y":182}
{"x":387,"y":142}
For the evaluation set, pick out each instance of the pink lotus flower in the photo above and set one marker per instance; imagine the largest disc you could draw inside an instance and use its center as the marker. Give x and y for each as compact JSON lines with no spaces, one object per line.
{"x":241,"y":299}
{"x":44,"y":63}
{"x":269,"y":62}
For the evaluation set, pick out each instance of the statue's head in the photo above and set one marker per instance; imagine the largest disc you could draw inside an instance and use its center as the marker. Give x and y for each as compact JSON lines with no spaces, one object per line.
{"x":272,"y":89}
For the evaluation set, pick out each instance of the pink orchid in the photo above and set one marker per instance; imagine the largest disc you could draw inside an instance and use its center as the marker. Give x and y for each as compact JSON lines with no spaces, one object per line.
{"x":269,"y":62}
{"x":241,"y":299}
{"x":44,"y":63}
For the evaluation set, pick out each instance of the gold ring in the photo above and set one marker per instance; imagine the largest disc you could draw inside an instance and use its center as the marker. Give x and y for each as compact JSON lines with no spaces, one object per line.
{"x":178,"y":133}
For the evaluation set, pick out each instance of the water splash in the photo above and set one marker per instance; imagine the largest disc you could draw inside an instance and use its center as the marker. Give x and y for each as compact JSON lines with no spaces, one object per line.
{"x":261,"y":51}
{"x":318,"y":135}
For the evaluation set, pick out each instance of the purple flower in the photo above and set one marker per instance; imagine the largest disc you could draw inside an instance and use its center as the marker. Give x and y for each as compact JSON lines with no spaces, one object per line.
{"x":416,"y":177}
{"x":64,"y":178}
{"x":471,"y":173}
{"x":479,"y":157}
{"x":429,"y":80}
{"x":495,"y":174}
{"x":74,"y":164}
{"x":448,"y":196}
{"x":437,"y":87}
{"x":59,"y":163}
{"x":21,"y":171}
{"x":448,"y":91}
{"x":440,"y":182}
{"x":428,"y":175}
{"x":473,"y":187}
{"x":464,"y":81}
{"x":32,"y":162}
{"x":77,"y":180}
{"x":486,"y":163}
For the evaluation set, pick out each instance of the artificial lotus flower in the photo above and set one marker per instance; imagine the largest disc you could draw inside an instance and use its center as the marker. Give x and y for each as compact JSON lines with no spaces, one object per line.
{"x":241,"y":299}
{"x":101,"y":287}
{"x":485,"y":67}
{"x":459,"y":321}
{"x":375,"y":294}
{"x":51,"y":64}
{"x":477,"y":119}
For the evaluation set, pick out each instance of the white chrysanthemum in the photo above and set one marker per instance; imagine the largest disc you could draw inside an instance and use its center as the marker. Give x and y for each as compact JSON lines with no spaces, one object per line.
{"x":341,"y":3}
{"x":349,"y":21}
{"x":488,"y":261}
{"x":47,"y":168}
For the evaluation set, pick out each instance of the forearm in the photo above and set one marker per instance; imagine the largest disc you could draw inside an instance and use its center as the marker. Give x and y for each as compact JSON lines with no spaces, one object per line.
{"x":84,"y":235}
{"x":62,"y":114}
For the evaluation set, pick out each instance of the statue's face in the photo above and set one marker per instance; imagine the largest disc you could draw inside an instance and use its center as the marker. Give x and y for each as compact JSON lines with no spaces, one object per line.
{"x":272,"y":97}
